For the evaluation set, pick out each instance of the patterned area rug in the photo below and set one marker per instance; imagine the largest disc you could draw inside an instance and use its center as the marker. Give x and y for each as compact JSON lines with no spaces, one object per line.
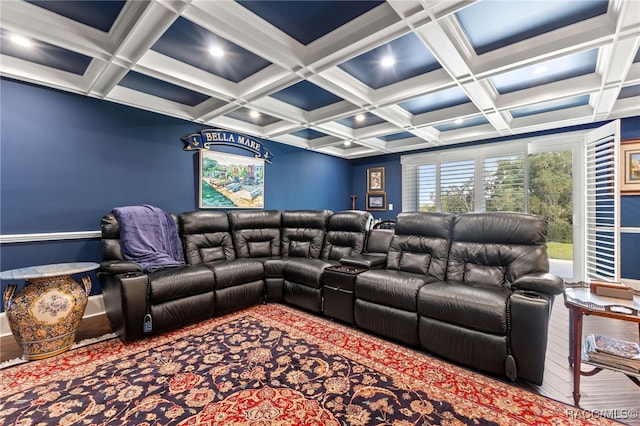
{"x":267,"y":365}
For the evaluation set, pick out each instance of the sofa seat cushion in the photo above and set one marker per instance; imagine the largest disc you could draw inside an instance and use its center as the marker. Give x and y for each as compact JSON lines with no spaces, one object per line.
{"x":274,"y":267}
{"x":476,"y":306}
{"x":179,"y":282}
{"x":389,"y":287}
{"x":230,"y":273}
{"x":306,"y":271}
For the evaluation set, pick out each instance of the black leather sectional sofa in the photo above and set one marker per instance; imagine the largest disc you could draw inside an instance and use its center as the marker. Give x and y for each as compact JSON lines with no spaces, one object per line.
{"x":471,"y":288}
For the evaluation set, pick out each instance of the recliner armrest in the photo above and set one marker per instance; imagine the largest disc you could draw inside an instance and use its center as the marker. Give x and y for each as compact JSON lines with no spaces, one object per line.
{"x":542,"y":282}
{"x":119,"y":267}
{"x":365,"y":260}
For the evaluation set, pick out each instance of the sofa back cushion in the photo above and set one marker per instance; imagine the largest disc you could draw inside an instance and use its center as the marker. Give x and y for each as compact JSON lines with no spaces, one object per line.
{"x":496,"y":248}
{"x":256,"y":233}
{"x":303,"y":232}
{"x":421,"y":243}
{"x":111,"y":249}
{"x":379,"y":240}
{"x":206,"y":236}
{"x":346,"y":234}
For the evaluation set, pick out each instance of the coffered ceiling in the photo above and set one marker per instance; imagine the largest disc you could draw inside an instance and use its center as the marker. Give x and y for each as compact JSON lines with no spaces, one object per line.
{"x":346,"y":78}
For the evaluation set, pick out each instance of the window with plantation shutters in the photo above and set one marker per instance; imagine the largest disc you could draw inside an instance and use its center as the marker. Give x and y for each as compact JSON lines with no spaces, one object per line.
{"x":459,"y":181}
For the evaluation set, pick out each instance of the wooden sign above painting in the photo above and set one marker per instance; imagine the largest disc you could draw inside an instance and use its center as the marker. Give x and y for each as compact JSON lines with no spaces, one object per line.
{"x":207,"y":138}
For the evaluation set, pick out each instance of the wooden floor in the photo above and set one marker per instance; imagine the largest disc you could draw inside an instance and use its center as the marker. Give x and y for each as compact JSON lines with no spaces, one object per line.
{"x":608,"y":393}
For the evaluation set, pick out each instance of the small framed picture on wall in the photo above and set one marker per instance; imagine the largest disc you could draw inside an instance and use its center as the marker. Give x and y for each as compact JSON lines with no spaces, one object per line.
{"x":375,"y":179}
{"x":376,"y":201}
{"x":630,"y":167}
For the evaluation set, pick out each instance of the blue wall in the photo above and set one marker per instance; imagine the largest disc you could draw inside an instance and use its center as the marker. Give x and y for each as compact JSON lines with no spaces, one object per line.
{"x":66,"y":160}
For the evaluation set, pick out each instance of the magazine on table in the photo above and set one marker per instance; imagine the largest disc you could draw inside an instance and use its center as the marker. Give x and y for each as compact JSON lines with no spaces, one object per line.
{"x":612,"y":352}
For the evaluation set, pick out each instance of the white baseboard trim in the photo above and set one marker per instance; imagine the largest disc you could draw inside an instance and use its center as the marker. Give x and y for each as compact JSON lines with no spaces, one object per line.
{"x":95,"y":306}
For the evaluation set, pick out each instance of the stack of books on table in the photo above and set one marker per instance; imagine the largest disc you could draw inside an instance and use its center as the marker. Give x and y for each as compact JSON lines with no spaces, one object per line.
{"x":612,"y":352}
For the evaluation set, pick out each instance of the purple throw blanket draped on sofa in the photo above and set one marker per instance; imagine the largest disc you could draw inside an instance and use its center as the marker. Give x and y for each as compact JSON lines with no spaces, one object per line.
{"x":149,"y":237}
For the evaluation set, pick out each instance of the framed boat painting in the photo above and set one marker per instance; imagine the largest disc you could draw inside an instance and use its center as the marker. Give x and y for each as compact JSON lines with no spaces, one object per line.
{"x":230,"y":181}
{"x":376,"y":201}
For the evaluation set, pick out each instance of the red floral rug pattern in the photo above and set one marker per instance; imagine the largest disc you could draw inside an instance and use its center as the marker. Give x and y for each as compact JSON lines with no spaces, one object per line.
{"x":267,"y":365}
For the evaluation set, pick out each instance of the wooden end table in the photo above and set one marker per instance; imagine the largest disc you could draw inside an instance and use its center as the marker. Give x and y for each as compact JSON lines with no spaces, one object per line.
{"x":580,"y":302}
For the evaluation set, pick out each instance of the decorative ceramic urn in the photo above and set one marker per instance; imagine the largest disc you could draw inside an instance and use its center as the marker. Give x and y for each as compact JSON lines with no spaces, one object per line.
{"x":44,"y":315}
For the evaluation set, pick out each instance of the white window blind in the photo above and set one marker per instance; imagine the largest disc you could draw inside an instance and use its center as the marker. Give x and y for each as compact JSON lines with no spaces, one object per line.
{"x":409,"y":188}
{"x":457,"y":186}
{"x":427,"y":187}
{"x":504,"y":183}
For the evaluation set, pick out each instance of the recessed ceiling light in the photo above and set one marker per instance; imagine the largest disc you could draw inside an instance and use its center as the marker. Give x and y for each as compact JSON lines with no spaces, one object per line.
{"x":360,"y":118}
{"x":347,"y":143}
{"x":541,"y":69}
{"x":21,"y":41}
{"x":216,"y":51}
{"x":254,"y":114}
{"x":388,"y":61}
{"x":459,"y":121}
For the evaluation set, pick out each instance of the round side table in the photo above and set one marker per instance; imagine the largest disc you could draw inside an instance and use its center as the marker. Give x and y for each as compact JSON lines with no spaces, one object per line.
{"x":44,"y":315}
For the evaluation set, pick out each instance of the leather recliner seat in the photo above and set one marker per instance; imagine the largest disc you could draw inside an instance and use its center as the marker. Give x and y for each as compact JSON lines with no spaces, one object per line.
{"x":303,"y":233}
{"x":489,"y":313}
{"x":387,"y":299}
{"x":172,"y":296}
{"x":207,"y":240}
{"x":345,"y":236}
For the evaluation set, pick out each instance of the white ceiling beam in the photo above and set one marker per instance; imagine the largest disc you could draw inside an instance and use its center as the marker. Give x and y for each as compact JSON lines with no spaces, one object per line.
{"x":126,"y":96}
{"x":582,"y":85}
{"x":626,"y":107}
{"x":39,"y":74}
{"x":235,"y":23}
{"x":376,"y":130}
{"x":280,"y":128}
{"x":584,"y":35}
{"x":343,"y":85}
{"x":565,"y":117}
{"x":275,"y":108}
{"x":366,"y":32}
{"x":446,"y":115}
{"x":412,"y":88}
